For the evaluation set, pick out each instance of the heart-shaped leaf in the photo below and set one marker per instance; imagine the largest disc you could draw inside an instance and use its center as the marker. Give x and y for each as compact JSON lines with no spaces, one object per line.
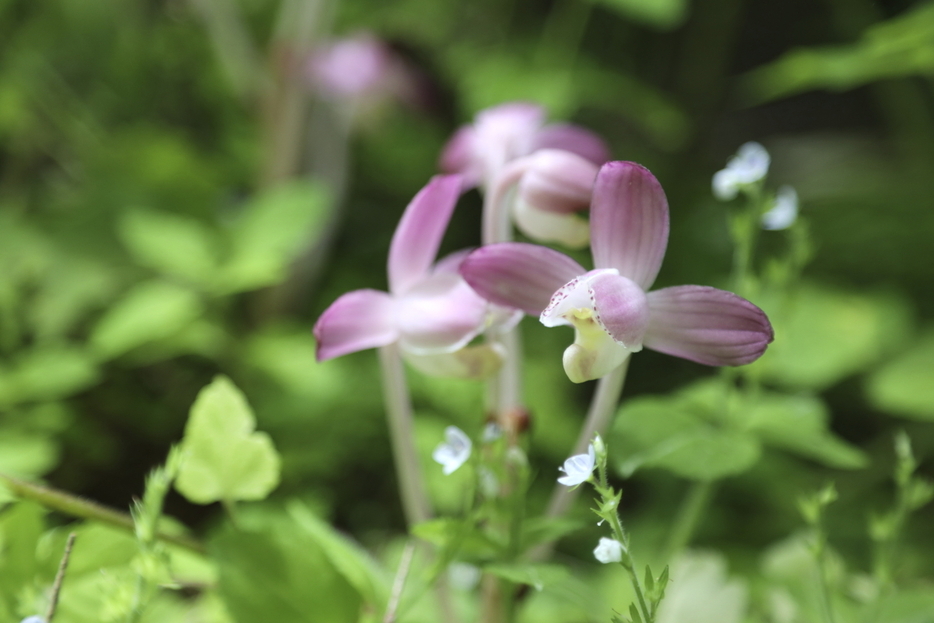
{"x":225,"y":459}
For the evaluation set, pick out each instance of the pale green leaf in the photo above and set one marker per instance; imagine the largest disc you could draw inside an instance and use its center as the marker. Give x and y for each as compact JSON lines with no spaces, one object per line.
{"x":824,"y":335}
{"x":26,"y":454}
{"x":176,"y":245}
{"x":149,"y":312}
{"x":224,"y":458}
{"x":273,"y":230}
{"x":905,"y":385}
{"x":47,"y":373}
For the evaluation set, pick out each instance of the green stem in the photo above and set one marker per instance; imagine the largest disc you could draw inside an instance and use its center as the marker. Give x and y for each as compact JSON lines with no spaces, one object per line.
{"x":691,"y":509}
{"x":69,"y":504}
{"x":627,"y":562}
{"x":402,"y":435}
{"x":602,"y":407}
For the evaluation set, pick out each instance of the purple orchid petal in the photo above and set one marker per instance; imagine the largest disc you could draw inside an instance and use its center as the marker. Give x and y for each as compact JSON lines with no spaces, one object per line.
{"x":519,"y":275}
{"x":620,"y":307}
{"x":574,"y":139}
{"x":441,"y":314}
{"x":418,"y":235}
{"x":629,"y":222}
{"x":356,"y":321}
{"x":451,"y":262}
{"x":706,"y":325}
{"x":458,"y":156}
{"x":557,"y":181}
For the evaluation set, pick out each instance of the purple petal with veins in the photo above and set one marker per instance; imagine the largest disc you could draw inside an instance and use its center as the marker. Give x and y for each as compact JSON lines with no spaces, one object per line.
{"x":418,"y":235}
{"x":629,"y":222}
{"x":574,"y":139}
{"x":706,"y":325}
{"x":519,"y":275}
{"x":356,"y":321}
{"x":440,"y":314}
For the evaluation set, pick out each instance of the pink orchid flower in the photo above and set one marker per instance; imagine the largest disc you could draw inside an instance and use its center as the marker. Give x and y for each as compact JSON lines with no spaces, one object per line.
{"x":429,"y":310}
{"x":610,"y":308}
{"x":510,"y":144}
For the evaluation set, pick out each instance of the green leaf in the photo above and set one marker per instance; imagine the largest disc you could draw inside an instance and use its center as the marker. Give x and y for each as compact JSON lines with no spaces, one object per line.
{"x":662,"y":14}
{"x":224,"y":459}
{"x":902,"y":46}
{"x":26,"y":454}
{"x":176,"y":245}
{"x":20,"y":529}
{"x":800,"y":424}
{"x":535,"y":575}
{"x":904,"y":385}
{"x":47,"y":373}
{"x":672,"y":433}
{"x":825,"y":335}
{"x":272,"y":231}
{"x":281,"y":573}
{"x":348,"y":557}
{"x":149,"y":312}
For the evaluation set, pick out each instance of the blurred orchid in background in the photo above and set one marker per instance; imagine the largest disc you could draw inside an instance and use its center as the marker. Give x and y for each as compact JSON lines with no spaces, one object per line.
{"x":748,"y":166}
{"x":608,"y":307}
{"x":554,"y":166}
{"x":429,"y":310}
{"x":363,"y":70}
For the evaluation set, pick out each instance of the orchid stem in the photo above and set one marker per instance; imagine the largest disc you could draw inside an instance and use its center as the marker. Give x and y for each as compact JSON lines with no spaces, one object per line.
{"x":402,"y":435}
{"x":602,"y":407}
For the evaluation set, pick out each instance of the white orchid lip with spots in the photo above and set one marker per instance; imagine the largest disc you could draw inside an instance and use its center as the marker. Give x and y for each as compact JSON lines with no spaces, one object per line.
{"x":429,"y":310}
{"x":578,"y":469}
{"x":610,"y":308}
{"x":453,"y":451}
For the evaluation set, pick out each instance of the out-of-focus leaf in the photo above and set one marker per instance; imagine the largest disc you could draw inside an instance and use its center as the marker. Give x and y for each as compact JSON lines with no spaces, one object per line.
{"x":662,"y":14}
{"x":224,"y":457}
{"x":273,"y":229}
{"x":26,"y":455}
{"x":348,"y":558}
{"x":149,"y":312}
{"x":668,"y":433}
{"x":20,"y":529}
{"x":905,"y":385}
{"x":799,"y":424}
{"x":176,"y":245}
{"x":457,"y":535}
{"x":535,"y":575}
{"x":901,"y":46}
{"x":47,"y":373}
{"x":826,"y":334}
{"x":281,"y":574}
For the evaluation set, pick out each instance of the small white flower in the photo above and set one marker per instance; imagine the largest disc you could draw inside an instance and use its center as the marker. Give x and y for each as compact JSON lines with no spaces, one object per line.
{"x":578,"y":468}
{"x":33,"y":619}
{"x":749,"y":165}
{"x":608,"y":550}
{"x":785,"y":211}
{"x":491,"y":432}
{"x":454,"y":451}
{"x":463,"y":576}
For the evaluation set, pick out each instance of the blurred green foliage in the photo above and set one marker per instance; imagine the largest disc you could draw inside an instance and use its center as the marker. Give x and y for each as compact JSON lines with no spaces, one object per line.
{"x":151,"y":238}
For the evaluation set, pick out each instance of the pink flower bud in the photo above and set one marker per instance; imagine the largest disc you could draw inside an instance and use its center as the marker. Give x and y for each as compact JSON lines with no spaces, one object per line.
{"x":558,"y":181}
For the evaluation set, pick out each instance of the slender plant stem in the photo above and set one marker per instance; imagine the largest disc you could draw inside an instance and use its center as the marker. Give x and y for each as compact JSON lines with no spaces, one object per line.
{"x":402,"y":435}
{"x":602,"y":408}
{"x":59,"y":578}
{"x":77,"y":507}
{"x":695,"y":502}
{"x":235,"y":49}
{"x":398,"y":583}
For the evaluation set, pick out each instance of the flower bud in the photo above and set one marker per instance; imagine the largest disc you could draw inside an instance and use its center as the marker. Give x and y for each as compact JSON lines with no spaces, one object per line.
{"x":608,"y":550}
{"x":557,"y":181}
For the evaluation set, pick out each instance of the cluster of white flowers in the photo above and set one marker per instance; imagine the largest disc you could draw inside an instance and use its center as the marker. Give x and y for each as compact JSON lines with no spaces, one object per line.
{"x":748,"y":166}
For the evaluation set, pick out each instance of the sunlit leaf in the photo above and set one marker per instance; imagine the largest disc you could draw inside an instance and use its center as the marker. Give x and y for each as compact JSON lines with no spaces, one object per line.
{"x":151,"y":311}
{"x":905,"y":385}
{"x":173,"y":244}
{"x":224,"y":458}
{"x":270,"y":233}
